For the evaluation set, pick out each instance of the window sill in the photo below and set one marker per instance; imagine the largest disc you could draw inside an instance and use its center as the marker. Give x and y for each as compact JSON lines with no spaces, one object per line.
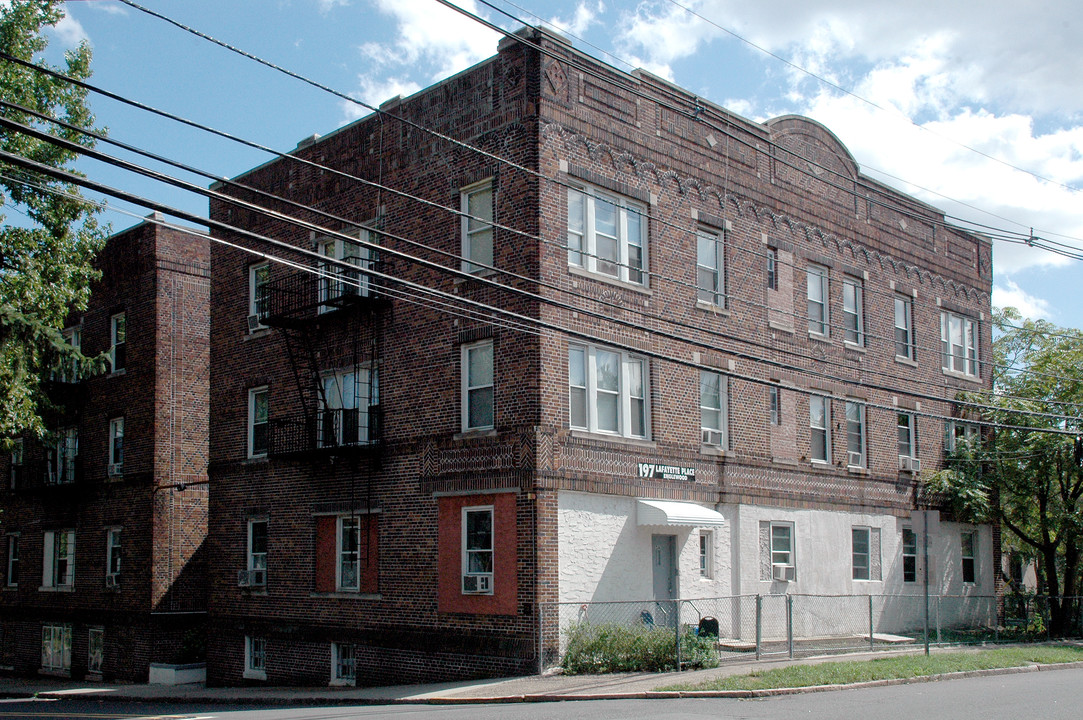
{"x":820,"y":337}
{"x":604,"y":437}
{"x":714,"y":450}
{"x":479,"y":433}
{"x":713,"y":309}
{"x":483,"y":273}
{"x":903,"y":360}
{"x":257,"y":591}
{"x":780,"y":327}
{"x":254,"y":675}
{"x":10,"y":588}
{"x":580,"y":272}
{"x":821,"y":464}
{"x":857,"y":470}
{"x":56,"y":589}
{"x":117,"y":373}
{"x":962,"y":376}
{"x":342,"y":683}
{"x":255,"y":459}
{"x":856,"y":347}
{"x":784,"y":461}
{"x":257,"y":334}
{"x":55,"y":673}
{"x":346,"y":595}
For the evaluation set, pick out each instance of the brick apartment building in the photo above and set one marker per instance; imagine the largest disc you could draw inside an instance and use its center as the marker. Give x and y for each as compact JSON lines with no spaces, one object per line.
{"x":730,"y":354}
{"x":103,"y":531}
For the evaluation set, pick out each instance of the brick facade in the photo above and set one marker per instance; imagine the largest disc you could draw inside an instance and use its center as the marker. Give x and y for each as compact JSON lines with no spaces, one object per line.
{"x":155,"y":607}
{"x":787,"y":185}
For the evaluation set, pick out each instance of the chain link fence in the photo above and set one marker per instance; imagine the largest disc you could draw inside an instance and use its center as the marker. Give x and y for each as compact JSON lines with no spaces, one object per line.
{"x":666,"y":633}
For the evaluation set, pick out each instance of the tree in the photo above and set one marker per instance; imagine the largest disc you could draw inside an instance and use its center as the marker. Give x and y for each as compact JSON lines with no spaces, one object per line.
{"x":45,"y":260}
{"x":1027,"y":473}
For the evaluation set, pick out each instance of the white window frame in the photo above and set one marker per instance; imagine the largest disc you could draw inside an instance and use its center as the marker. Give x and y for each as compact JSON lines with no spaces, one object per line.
{"x":255,"y":658}
{"x":853,"y":311}
{"x":909,"y":552}
{"x":477,"y":228}
{"x":907,"y":434}
{"x":345,"y":555}
{"x":118,"y":339}
{"x":630,"y":239}
{"x":858,"y":570}
{"x":706,"y":554}
{"x":343,"y":664}
{"x":774,"y":405}
{"x":335,"y":279}
{"x":856,"y":435}
{"x":16,"y":468}
{"x":786,"y":557}
{"x":95,"y":650}
{"x":818,"y":296}
{"x":476,"y":385}
{"x":337,"y":400}
{"x":823,"y":403}
{"x":711,"y":267}
{"x":58,"y":560}
{"x":74,"y":338}
{"x":583,"y":365}
{"x":113,"y":551}
{"x":63,"y":456}
{"x":254,"y":395}
{"x":11,"y":560}
{"x":256,"y":559}
{"x":956,"y":428}
{"x":772,"y":268}
{"x":477,"y":559}
{"x":714,"y":408}
{"x":56,"y":648}
{"x":959,"y":345}
{"x":116,"y":445}
{"x":259,"y":274}
{"x":968,"y":553}
{"x":904,"y":327}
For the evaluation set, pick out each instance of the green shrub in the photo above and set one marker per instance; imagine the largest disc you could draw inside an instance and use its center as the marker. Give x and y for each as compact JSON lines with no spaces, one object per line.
{"x":610,"y":648}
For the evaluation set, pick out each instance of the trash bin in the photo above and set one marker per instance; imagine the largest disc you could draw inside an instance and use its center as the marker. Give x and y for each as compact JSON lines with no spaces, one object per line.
{"x":707,"y":626}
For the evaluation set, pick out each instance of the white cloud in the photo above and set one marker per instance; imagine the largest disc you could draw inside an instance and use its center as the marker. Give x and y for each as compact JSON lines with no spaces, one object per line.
{"x":585,"y":16}
{"x":375,"y":92}
{"x":1011,"y":295}
{"x":69,"y":32}
{"x":328,"y":5}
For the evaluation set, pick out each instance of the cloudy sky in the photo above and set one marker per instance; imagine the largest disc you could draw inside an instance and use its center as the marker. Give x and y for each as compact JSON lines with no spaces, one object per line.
{"x":975,"y":109}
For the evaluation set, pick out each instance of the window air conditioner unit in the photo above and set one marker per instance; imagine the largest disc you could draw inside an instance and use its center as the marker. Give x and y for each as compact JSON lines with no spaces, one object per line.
{"x":253,"y":323}
{"x":112,"y":580}
{"x":855,"y":459}
{"x":116,"y":469}
{"x":258,"y":577}
{"x":244,"y":578}
{"x":712,"y":437}
{"x":784,"y":573}
{"x":909,"y":464}
{"x":477,"y":584}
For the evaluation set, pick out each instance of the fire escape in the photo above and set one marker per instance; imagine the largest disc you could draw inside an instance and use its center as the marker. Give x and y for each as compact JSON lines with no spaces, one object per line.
{"x":330,"y":324}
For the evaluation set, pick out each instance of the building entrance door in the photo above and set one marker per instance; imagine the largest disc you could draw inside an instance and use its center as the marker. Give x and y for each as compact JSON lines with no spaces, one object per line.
{"x":664,"y":568}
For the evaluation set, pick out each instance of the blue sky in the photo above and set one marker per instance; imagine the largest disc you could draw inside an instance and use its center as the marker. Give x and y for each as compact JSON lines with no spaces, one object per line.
{"x":979,"y":113}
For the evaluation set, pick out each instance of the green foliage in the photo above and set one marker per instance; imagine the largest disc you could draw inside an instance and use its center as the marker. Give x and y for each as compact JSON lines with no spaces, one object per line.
{"x":611,"y":648}
{"x":45,"y":261}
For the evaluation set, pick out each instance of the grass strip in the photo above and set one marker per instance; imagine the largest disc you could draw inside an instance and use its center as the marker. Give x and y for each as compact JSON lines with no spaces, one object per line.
{"x":888,"y":668}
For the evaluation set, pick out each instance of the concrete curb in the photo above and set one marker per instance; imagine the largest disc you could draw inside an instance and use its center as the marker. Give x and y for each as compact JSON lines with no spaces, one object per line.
{"x":308,"y":700}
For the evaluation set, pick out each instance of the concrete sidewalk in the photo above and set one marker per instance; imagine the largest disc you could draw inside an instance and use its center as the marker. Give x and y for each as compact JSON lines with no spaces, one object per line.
{"x":547,"y":688}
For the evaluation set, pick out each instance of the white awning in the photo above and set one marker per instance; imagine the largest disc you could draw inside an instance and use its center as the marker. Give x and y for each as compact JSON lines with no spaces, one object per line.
{"x":672,"y":512}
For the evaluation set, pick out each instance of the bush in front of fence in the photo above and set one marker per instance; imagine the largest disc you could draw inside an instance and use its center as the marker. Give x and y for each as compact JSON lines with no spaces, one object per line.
{"x":610,"y":648}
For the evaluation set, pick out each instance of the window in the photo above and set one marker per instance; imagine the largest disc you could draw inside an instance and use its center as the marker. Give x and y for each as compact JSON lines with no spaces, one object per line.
{"x":853,"y":322}
{"x":477,"y":230}
{"x":855,"y":434}
{"x":860,"y":547}
{"x":607,"y":235}
{"x":16,"y":466}
{"x":706,"y":554}
{"x":772,"y":268}
{"x":478,"y":411}
{"x":258,"y":436}
{"x":116,"y":446}
{"x":782,"y":545}
{"x":347,"y":414}
{"x":957,"y":434}
{"x":774,"y":405}
{"x":255,"y":658}
{"x":713,"y":408}
{"x":95,"y":643}
{"x":820,"y":428}
{"x":970,"y":572}
{"x":959,"y":344}
{"x":607,"y":391}
{"x":710,"y":268}
{"x":904,"y":335}
{"x":258,"y":277}
{"x":56,"y":648}
{"x":818,"y":318}
{"x":909,"y":555}
{"x":11,"y":568}
{"x":349,"y":554}
{"x":905,"y":424}
{"x":58,"y":559}
{"x":343,"y":664}
{"x":338,"y":281}
{"x":112,"y":556}
{"x":257,"y":548}
{"x":477,"y":544}
{"x":118,"y":334}
{"x":69,"y":373}
{"x":62,"y":457}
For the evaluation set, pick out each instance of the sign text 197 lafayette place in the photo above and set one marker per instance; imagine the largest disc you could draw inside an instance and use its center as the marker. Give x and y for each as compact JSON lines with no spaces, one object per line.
{"x":654,"y":471}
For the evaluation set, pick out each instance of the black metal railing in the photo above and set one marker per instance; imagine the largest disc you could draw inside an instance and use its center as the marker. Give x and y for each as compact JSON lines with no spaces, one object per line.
{"x":300,"y":297}
{"x":327,"y":432}
{"x":55,"y":472}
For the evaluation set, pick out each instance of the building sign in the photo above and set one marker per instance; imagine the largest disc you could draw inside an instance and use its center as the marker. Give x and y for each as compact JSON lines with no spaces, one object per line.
{"x":651,"y":471}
